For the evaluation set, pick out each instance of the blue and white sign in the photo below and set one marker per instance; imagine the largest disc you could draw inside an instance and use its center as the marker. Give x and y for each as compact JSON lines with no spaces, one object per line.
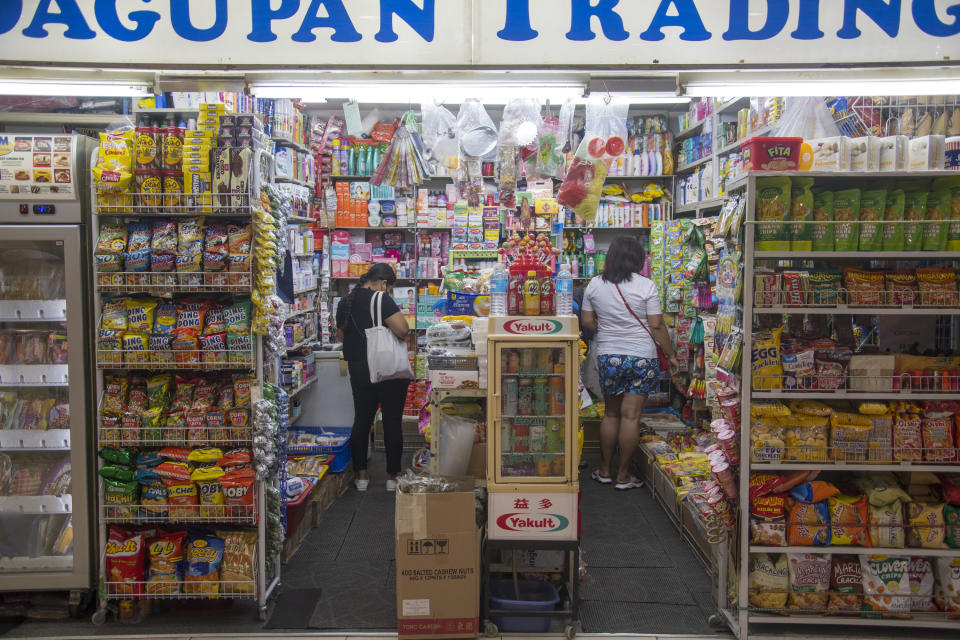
{"x":464,"y":33}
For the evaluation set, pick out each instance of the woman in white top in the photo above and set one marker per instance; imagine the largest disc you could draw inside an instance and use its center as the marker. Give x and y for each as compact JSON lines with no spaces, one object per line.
{"x":626,"y":352}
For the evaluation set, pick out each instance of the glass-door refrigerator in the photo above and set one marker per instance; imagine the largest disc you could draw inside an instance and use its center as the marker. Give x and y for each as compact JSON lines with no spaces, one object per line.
{"x":44,"y":364}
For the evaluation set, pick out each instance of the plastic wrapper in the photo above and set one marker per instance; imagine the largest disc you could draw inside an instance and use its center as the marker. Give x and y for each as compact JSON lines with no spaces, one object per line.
{"x":809,"y":581}
{"x":886,"y":586}
{"x":769,"y":584}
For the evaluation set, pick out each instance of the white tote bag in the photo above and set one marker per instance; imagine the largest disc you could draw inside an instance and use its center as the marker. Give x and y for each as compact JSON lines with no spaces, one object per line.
{"x":386,"y":353}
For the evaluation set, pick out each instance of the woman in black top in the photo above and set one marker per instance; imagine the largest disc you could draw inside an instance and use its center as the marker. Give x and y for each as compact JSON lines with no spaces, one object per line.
{"x":353,"y":318}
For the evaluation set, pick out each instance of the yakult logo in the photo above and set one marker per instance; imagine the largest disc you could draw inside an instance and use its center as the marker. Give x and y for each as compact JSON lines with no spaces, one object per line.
{"x":535,"y":327}
{"x":544,"y":523}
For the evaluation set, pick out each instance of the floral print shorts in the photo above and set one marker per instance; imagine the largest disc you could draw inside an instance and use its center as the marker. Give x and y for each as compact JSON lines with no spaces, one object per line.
{"x":628,"y":374}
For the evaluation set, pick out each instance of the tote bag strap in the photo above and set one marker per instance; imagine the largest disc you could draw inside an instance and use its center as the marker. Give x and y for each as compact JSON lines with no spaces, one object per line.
{"x":635,"y":317}
{"x":376,"y":308}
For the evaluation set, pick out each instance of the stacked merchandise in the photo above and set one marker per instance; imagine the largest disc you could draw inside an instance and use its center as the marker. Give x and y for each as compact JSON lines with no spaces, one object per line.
{"x":196,"y":440}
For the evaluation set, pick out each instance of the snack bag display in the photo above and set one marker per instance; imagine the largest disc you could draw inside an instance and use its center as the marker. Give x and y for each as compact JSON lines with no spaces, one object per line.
{"x":823,"y":234}
{"x":846,"y":584}
{"x":768,"y":514}
{"x":914,"y":211}
{"x":893,"y":239}
{"x":938,"y":210}
{"x":808,"y":524}
{"x":801,"y":210}
{"x":125,"y":563}
{"x":773,"y":206}
{"x":239,"y":548}
{"x":848,"y":520}
{"x":886,"y":586}
{"x":766,"y":360}
{"x":809,"y":580}
{"x":952,"y":185}
{"x":922,"y":584}
{"x":948,"y":586}
{"x":926,"y":526}
{"x":846,"y":208}
{"x":165,"y":571}
{"x":769,"y":584}
{"x":204,"y":556}
{"x":873,"y":205}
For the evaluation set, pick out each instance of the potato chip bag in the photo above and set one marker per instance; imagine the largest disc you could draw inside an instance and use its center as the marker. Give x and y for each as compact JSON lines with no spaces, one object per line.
{"x":848,"y":520}
{"x":914,"y":211}
{"x":846,"y":208}
{"x":135,"y":348}
{"x":948,"y":586}
{"x":204,"y":556}
{"x":114,"y":393}
{"x":182,"y":499}
{"x":120,"y":499}
{"x":873,"y":205}
{"x":236,"y":317}
{"x":773,"y":206}
{"x":951,"y":515}
{"x":125,"y":563}
{"x":190,"y":236}
{"x":164,"y":239}
{"x":165,"y":572}
{"x":952,"y":184}
{"x":112,"y":239}
{"x":809,"y":580}
{"x":151,"y":425}
{"x":158,"y":390}
{"x":238,"y":554}
{"x":140,"y":315}
{"x":926,"y":526}
{"x":801,"y":209}
{"x":823,"y":234}
{"x":237,"y":486}
{"x":808,"y":524}
{"x":138,"y":236}
{"x":190,"y":319}
{"x":809,"y":408}
{"x":769,"y":581}
{"x":113,"y":316}
{"x":153,"y":497}
{"x":893,"y":239}
{"x":211,"y":494}
{"x":938,"y":208}
{"x":921,"y":584}
{"x":846,"y":584}
{"x":241,"y":386}
{"x":766,"y":360}
{"x":886,"y":586}
{"x":239,"y":239}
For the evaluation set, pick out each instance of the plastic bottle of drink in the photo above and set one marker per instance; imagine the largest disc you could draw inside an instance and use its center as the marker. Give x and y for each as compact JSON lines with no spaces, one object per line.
{"x":564,"y":292}
{"x":499,"y":284}
{"x":531,"y":295}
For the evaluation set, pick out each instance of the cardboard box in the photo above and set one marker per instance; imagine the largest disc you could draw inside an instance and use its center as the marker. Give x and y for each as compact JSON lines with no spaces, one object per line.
{"x":872,"y":373}
{"x":438,"y":565}
{"x":533,"y":515}
{"x":454,"y":378}
{"x":477,"y":467}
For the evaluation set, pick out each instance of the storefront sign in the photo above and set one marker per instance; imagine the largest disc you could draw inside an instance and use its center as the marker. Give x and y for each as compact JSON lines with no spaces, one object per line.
{"x":532,"y":516}
{"x":464,"y":33}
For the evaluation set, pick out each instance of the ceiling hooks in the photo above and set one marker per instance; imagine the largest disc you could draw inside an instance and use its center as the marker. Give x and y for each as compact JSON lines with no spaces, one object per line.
{"x":607,"y":99}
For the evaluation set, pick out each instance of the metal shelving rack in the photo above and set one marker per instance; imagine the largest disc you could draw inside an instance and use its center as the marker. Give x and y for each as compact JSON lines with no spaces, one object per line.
{"x":743,"y":620}
{"x":266,"y":571}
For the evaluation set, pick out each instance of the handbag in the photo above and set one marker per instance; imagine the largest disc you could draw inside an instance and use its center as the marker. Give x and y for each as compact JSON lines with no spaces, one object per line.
{"x":662,"y":359}
{"x":386,"y":353}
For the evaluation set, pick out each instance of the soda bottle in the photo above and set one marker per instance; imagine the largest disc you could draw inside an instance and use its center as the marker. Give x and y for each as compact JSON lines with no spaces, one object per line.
{"x":546,"y":296}
{"x":531,"y":295}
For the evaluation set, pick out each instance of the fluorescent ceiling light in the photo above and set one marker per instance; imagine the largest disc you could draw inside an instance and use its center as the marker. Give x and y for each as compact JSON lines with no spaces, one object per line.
{"x":831,"y":87}
{"x":71,"y":88}
{"x":648,"y":98}
{"x":416,"y":93}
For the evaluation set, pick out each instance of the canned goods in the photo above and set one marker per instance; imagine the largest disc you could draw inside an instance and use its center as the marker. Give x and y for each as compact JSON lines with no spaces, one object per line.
{"x":538,"y":438}
{"x":528,"y":361}
{"x":525,"y":397}
{"x":543,"y":361}
{"x":511,"y":394}
{"x":556,"y":407}
{"x":541,"y":396}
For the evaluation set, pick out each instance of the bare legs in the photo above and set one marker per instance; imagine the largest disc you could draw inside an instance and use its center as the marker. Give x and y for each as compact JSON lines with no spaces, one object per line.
{"x":620,"y":426}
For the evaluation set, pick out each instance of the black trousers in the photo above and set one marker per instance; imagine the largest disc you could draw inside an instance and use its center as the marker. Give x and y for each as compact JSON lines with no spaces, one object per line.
{"x":389,"y":396}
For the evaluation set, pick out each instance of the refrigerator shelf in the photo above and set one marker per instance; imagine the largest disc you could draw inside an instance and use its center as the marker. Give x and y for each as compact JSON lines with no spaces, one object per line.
{"x":36,"y":505}
{"x":143,"y":590}
{"x":40,"y":563}
{"x":170,"y":283}
{"x":174,"y":360}
{"x":34,"y":375}
{"x":34,"y":440}
{"x":33,"y":310}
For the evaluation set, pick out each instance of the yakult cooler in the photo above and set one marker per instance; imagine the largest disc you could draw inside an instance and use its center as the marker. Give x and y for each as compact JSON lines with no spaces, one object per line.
{"x":532,"y":424}
{"x":45,"y":452}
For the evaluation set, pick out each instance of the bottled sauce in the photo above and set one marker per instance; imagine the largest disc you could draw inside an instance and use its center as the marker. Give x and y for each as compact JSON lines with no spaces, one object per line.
{"x":499,"y":286}
{"x":531,"y":295}
{"x":564,"y":291}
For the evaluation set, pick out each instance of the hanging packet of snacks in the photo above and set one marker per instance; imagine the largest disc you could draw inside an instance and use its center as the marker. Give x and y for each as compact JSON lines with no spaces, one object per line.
{"x":604,"y":140}
{"x":517,"y":140}
{"x":439,"y":136}
{"x":477,"y":138}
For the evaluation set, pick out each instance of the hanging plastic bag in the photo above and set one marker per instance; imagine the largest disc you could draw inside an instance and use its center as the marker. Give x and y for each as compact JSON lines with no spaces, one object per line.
{"x":477,"y":139}
{"x":519,"y":128}
{"x":604,"y":140}
{"x":806,"y":118}
{"x":403,"y":165}
{"x":550,"y":159}
{"x":440,"y":135}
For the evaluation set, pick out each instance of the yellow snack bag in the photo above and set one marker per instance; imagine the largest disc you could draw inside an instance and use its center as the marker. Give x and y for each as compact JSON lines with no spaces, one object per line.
{"x":212,"y":500}
{"x":768,"y":410}
{"x":810,"y":408}
{"x":766,"y":360}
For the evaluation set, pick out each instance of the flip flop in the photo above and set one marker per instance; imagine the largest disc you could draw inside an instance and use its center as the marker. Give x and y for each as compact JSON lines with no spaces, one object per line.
{"x":599,"y":478}
{"x":632,"y":483}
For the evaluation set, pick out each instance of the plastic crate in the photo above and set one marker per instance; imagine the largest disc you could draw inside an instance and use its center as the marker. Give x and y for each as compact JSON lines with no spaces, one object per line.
{"x":341,"y":452}
{"x":535,"y":595}
{"x":298,"y":507}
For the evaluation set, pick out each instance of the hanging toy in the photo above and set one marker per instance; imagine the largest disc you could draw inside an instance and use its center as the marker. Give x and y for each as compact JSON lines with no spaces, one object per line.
{"x":696,"y":331}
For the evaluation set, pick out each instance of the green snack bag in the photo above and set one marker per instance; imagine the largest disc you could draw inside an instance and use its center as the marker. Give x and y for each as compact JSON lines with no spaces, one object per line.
{"x":846,"y":208}
{"x":938,"y":208}
{"x":120,"y":498}
{"x":914,"y":209}
{"x":116,"y":473}
{"x":773,"y":205}
{"x":952,"y":184}
{"x":237,"y":317}
{"x":952,"y":516}
{"x":158,"y":390}
{"x":893,"y":233}
{"x":117,"y":456}
{"x":873,"y":204}
{"x":151,"y":423}
{"x":823,"y":212}
{"x":825,"y":286}
{"x":801,"y":209}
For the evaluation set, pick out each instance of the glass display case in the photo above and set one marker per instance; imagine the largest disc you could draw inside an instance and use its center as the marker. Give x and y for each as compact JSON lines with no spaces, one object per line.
{"x":532,"y":403}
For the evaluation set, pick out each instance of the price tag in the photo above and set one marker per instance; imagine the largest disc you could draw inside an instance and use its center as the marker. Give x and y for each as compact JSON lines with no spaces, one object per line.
{"x":351,"y":113}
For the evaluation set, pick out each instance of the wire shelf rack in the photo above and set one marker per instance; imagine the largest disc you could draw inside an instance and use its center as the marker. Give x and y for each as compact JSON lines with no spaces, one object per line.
{"x":171,"y":283}
{"x":175,"y":360}
{"x":180,"y":514}
{"x":180,"y":590}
